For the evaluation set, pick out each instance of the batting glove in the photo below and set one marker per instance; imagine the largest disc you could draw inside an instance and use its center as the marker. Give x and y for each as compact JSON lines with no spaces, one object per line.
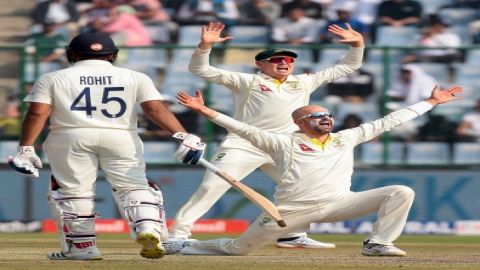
{"x":25,"y":161}
{"x":190,"y":150}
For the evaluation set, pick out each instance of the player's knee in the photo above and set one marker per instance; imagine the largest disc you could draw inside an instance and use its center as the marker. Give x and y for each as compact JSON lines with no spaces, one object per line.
{"x":405,"y":192}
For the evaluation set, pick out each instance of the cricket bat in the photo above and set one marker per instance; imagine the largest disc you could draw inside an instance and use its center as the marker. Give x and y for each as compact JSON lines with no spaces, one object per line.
{"x":256,"y":198}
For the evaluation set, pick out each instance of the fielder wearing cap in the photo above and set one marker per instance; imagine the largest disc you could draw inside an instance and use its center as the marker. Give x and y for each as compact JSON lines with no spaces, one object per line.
{"x":265,"y":100}
{"x":264,"y":55}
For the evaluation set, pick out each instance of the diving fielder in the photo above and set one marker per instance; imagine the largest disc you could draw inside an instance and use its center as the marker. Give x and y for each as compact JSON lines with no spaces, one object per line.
{"x":266,"y":101}
{"x":93,"y":123}
{"x":315,"y":168}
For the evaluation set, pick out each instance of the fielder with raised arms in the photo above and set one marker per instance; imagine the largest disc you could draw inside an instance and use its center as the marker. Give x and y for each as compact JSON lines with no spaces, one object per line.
{"x":316,"y":167}
{"x":93,"y":123}
{"x":266,"y":101}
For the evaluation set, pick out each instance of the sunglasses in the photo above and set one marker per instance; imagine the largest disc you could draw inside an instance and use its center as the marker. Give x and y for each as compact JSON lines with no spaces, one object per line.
{"x":318,"y":115}
{"x":279,"y":59}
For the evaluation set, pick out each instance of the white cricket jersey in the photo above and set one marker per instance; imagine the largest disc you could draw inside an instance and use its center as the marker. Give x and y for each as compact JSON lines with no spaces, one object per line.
{"x":310,"y":174}
{"x":260,"y":100}
{"x":93,"y":94}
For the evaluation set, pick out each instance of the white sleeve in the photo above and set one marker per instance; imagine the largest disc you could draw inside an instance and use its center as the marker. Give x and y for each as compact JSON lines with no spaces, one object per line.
{"x":146,"y":89}
{"x":267,"y":141}
{"x":200,"y":66}
{"x":350,"y":63}
{"x":42,"y":91}
{"x":368,"y":131}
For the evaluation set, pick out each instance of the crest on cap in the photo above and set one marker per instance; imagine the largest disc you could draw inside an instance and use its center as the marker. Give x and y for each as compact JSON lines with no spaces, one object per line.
{"x":96,"y":47}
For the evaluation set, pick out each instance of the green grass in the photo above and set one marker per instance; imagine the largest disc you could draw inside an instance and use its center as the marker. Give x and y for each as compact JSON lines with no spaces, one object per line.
{"x":27,"y":251}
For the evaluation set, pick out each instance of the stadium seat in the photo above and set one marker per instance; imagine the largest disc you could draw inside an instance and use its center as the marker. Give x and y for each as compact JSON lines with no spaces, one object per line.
{"x":427,"y":153}
{"x":371,"y":153}
{"x":367,"y":111}
{"x":396,"y":36}
{"x":459,"y":16}
{"x":472,"y":57}
{"x":467,"y":74}
{"x":331,"y":55}
{"x":433,"y":6}
{"x":159,"y":33}
{"x":159,"y":152}
{"x":465,"y":153}
{"x":249,"y":35}
{"x":189,"y":35}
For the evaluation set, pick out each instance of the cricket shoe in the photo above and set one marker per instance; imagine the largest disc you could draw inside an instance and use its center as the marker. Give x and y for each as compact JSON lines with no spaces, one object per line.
{"x":373,"y":249}
{"x":151,"y":245}
{"x":302,"y":242}
{"x":90,"y":253}
{"x":175,"y":245}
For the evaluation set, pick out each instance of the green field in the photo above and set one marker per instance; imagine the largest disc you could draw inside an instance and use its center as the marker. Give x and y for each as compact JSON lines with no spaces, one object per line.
{"x":27,"y":251}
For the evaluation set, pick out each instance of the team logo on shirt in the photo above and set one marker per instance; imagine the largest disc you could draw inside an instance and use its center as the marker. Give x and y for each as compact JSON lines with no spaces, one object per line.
{"x":220,"y":156}
{"x":293,"y":86}
{"x":265,"y":89}
{"x":337,"y":143}
{"x":264,"y":221}
{"x":305,"y":148}
{"x":96,"y":47}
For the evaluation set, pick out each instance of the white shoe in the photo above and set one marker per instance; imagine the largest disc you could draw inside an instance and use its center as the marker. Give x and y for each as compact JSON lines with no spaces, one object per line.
{"x":88,"y":254}
{"x":372,"y":249}
{"x":302,"y":242}
{"x":175,"y":245}
{"x":151,"y":245}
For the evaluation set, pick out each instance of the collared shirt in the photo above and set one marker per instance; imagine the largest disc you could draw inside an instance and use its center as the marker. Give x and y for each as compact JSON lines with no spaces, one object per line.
{"x":260,"y":100}
{"x":312,"y":174}
{"x":93,"y":93}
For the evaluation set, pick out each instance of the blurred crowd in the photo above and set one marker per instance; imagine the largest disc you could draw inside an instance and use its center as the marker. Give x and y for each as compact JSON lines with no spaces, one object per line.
{"x":433,"y":24}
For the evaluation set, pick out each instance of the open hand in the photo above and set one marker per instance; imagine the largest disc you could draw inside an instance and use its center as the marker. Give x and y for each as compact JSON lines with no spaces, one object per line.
{"x":440,"y":96}
{"x":195,"y":103}
{"x":348,"y":36}
{"x":211,"y":33}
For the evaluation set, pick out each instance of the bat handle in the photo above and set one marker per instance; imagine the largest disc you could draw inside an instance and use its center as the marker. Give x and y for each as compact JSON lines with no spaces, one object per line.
{"x":208,"y":165}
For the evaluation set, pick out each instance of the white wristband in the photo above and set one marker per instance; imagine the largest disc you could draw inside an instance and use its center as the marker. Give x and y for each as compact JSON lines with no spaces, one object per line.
{"x":28,"y":149}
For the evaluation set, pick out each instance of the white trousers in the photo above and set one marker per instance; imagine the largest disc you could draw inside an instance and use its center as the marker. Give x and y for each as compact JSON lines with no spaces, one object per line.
{"x":76,"y":154}
{"x":392,"y":204}
{"x":238,"y":163}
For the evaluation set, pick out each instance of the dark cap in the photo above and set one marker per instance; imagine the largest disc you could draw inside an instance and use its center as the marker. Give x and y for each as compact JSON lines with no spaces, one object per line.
{"x":92,"y":44}
{"x":270,"y":53}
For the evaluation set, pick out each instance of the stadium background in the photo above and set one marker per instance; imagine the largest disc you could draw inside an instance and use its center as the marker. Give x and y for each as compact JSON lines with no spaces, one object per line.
{"x":444,"y":175}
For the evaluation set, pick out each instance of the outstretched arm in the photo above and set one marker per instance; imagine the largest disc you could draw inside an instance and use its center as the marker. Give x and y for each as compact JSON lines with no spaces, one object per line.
{"x":347,"y":36}
{"x":196,"y":103}
{"x":211,"y":34}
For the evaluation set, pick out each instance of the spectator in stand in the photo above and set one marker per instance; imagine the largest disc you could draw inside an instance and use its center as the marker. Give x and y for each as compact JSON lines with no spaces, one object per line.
{"x":437,"y":129}
{"x":124,"y":27}
{"x":259,"y":12}
{"x":350,"y":120}
{"x":411,"y":85}
{"x":400,"y":13}
{"x":310,"y":8}
{"x":344,"y":16}
{"x":63,"y":13}
{"x":46,"y":51}
{"x":152,"y":12}
{"x":354,"y":87}
{"x":98,"y":11}
{"x":436,"y":34}
{"x":205,"y":11}
{"x":295,"y":29}
{"x":469,"y":128}
{"x":10,"y":120}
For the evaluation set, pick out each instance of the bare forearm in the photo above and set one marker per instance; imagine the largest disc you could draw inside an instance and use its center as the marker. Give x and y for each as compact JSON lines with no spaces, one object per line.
{"x":32,"y":126}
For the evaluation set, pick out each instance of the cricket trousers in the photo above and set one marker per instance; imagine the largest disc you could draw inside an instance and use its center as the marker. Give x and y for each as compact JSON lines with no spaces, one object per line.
{"x":238,"y":163}
{"x":391,"y":203}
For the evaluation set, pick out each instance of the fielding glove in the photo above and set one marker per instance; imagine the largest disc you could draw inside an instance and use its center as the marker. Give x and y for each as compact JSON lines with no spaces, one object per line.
{"x":190,"y":150}
{"x":25,"y":161}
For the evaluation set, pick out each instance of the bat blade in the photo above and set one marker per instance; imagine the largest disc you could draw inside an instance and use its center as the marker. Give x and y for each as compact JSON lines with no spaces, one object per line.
{"x":256,"y":198}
